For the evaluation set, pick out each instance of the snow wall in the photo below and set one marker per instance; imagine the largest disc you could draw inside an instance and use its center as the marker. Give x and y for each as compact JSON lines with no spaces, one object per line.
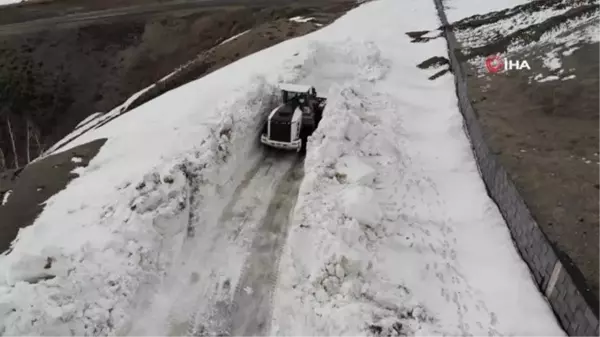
{"x":557,"y":278}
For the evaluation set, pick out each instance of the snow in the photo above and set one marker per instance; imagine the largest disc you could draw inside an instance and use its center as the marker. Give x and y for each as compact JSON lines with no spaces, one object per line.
{"x":89,"y":119}
{"x":459,"y":9}
{"x":5,"y":197}
{"x":570,"y":77}
{"x":547,"y":78}
{"x":420,"y":249}
{"x":563,"y":39}
{"x":552,"y":61}
{"x":301,"y":19}
{"x":76,"y":160}
{"x":354,"y":170}
{"x":95,"y":122}
{"x":484,"y":34}
{"x":120,"y":239}
{"x":235,"y":37}
{"x":8,"y":2}
{"x":392,"y":227}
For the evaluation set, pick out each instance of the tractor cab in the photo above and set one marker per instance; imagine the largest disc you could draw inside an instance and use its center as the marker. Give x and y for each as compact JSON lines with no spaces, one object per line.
{"x":297,"y":92}
{"x":289,"y":124}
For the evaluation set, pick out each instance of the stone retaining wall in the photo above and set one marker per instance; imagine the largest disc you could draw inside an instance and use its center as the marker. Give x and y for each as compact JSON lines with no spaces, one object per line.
{"x":577,"y":313}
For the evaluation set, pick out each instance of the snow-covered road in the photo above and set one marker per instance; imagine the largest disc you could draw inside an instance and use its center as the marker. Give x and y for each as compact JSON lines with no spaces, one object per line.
{"x":385,"y":229}
{"x":252,"y":300}
{"x":223,"y":279}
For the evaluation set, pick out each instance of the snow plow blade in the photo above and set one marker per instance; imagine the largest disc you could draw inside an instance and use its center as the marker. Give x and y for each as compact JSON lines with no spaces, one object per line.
{"x":293,"y":145}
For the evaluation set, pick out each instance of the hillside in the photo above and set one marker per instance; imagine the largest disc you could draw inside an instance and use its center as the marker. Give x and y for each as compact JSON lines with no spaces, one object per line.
{"x":52,"y":79}
{"x":543,"y":122}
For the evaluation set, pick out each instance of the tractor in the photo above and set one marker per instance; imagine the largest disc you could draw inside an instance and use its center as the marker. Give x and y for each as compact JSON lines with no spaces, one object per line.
{"x":289,"y":124}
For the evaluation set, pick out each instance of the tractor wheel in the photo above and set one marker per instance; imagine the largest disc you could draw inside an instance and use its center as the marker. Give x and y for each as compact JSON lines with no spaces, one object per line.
{"x":265,"y":128}
{"x":302,"y":148}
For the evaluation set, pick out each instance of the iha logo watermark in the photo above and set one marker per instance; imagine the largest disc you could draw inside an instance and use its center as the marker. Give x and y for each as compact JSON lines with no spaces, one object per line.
{"x":496,"y":64}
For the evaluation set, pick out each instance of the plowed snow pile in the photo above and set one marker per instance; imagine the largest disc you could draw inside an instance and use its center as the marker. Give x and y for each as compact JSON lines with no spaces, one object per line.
{"x":392,"y":233}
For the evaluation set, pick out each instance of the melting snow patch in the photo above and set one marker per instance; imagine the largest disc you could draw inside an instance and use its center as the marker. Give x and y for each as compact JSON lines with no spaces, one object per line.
{"x":482,"y":35}
{"x":76,"y":160}
{"x":569,"y":51}
{"x":459,"y":9}
{"x":552,"y":61}
{"x":5,"y":197}
{"x":547,"y":79}
{"x":79,"y":170}
{"x":234,"y":37}
{"x":301,"y":19}
{"x":567,"y":36}
{"x":570,"y":77}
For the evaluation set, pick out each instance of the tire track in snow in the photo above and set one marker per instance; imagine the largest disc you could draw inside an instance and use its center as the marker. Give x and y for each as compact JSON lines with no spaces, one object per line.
{"x":251,"y":309}
{"x":176,"y":324}
{"x":206,"y":303}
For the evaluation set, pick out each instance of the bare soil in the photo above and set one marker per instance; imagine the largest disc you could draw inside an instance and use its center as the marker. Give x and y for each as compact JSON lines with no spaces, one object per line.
{"x":31,"y":187}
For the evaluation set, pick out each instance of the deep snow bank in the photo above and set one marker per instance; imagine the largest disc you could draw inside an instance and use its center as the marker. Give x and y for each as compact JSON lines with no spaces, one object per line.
{"x":393,"y":231}
{"x":89,"y":256}
{"x":103,"y":243}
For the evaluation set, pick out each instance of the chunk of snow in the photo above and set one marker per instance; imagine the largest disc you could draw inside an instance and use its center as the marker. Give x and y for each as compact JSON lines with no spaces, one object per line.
{"x":76,"y":160}
{"x":570,"y":77}
{"x":552,"y":61}
{"x":34,"y":268}
{"x":301,"y":19}
{"x":79,"y":170}
{"x":360,"y":204}
{"x":548,"y":78}
{"x":569,"y":51}
{"x":6,"y":196}
{"x":355,"y":170}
